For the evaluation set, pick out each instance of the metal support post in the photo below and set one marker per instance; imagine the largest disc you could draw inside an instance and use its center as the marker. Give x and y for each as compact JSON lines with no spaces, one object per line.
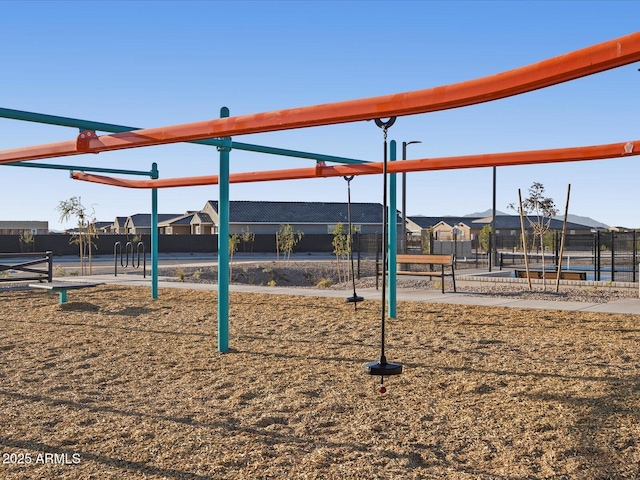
{"x":223,"y":243}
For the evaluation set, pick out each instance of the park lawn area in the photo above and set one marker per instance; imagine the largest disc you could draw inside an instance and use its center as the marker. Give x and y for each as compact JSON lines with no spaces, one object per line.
{"x":115,"y":385}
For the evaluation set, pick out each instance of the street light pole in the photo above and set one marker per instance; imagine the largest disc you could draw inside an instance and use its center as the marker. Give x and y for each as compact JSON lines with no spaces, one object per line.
{"x":404,"y":196}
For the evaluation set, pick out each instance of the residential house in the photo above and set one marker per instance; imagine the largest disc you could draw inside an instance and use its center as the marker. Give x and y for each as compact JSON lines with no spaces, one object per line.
{"x":18,"y":227}
{"x":264,"y":217}
{"x":140,"y":223}
{"x":191,"y":223}
{"x":469,"y":227}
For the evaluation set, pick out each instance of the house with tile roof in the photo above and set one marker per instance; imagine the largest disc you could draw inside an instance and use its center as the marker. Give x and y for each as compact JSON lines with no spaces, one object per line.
{"x":140,"y":223}
{"x":265,"y":217}
{"x":16,"y":227}
{"x":191,"y":223}
{"x":469,"y":227}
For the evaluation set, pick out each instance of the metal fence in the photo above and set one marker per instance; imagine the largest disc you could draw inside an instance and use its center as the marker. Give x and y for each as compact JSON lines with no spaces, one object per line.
{"x":605,"y":256}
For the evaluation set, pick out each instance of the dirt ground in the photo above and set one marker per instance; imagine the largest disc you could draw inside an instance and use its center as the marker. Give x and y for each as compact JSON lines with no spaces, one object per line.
{"x":116,"y":385}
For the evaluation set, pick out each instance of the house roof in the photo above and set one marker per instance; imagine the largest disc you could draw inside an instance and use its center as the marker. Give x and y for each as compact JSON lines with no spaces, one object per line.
{"x":203,"y":217}
{"x":512,"y":222}
{"x":100,"y":225}
{"x":503,"y":222}
{"x":180,"y":220}
{"x":301,"y":212}
{"x":428,"y":222}
{"x":144,"y":219}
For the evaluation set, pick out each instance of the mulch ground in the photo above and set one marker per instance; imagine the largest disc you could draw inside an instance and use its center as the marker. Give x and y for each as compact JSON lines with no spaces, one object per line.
{"x":115,"y":385}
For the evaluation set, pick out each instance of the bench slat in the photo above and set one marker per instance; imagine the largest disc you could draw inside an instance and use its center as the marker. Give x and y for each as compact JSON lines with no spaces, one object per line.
{"x":425,"y":259}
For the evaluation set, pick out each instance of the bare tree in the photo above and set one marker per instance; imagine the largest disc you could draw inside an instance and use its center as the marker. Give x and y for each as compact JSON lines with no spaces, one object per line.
{"x":539,"y":210}
{"x":86,"y":229}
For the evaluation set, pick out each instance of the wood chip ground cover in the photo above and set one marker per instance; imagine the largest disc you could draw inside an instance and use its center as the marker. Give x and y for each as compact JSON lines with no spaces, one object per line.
{"x":117,"y":385}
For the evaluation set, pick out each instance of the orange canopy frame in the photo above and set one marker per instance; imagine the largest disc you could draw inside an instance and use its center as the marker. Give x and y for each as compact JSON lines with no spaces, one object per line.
{"x":577,"y":64}
{"x":595,"y":152}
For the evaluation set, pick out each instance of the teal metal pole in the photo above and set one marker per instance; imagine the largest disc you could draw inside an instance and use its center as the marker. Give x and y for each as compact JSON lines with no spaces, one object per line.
{"x":154,"y":234}
{"x":113,"y":128}
{"x":223,"y":242}
{"x":393,"y":234}
{"x":79,"y":168}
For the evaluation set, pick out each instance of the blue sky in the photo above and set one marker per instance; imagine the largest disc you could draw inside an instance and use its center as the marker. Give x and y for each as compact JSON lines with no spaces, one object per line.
{"x":151,"y":64}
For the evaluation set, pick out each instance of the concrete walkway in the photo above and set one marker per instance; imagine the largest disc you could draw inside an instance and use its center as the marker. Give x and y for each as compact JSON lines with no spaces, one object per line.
{"x":628,"y":306}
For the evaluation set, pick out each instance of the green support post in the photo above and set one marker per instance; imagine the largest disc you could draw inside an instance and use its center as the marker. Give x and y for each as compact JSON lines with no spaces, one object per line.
{"x":154,"y":234}
{"x":393,"y":234}
{"x":223,"y":242}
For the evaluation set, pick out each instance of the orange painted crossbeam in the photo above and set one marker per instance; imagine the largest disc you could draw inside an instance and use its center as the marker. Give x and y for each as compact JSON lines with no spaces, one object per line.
{"x":570,"y":66}
{"x":575,"y":154}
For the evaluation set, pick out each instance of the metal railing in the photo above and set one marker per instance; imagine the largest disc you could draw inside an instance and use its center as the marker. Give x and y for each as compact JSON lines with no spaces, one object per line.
{"x":15,"y":266}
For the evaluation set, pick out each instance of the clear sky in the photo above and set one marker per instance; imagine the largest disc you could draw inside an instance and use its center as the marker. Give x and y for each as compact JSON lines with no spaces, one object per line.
{"x":157,"y":63}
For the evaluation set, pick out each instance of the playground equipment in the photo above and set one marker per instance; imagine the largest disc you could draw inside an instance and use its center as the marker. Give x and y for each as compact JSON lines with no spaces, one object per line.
{"x":580,"y":63}
{"x":124,"y":263}
{"x":577,"y":64}
{"x":382,"y":367}
{"x":354,"y":298}
{"x":528,"y":157}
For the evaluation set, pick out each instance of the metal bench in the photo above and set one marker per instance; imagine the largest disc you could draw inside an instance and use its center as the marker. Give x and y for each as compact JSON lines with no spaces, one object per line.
{"x":61,"y":288}
{"x":552,"y":275}
{"x":441,"y":261}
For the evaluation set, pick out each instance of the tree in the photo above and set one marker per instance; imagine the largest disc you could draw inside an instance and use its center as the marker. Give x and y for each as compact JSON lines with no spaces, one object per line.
{"x":538,"y":210}
{"x":286,"y":240}
{"x":484,"y":237}
{"x":341,"y":248}
{"x":26,"y":239}
{"x":234,"y":241}
{"x":86,"y":229}
{"x":247,"y":239}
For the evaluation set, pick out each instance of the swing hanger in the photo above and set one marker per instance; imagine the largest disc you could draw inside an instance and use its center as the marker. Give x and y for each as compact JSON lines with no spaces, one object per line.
{"x":382,"y":367}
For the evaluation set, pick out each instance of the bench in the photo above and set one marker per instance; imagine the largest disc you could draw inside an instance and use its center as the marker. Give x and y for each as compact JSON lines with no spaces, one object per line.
{"x":61,"y":288}
{"x":441,"y":261}
{"x":552,"y":275}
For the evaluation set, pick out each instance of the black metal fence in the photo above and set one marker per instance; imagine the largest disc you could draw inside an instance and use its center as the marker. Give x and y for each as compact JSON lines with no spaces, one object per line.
{"x":605,"y":256}
{"x":26,"y":266}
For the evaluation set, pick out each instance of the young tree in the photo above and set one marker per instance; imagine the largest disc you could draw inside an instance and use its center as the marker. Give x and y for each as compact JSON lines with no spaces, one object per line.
{"x":86,"y":229}
{"x":539,"y":210}
{"x":26,"y":239}
{"x":234,"y":241}
{"x":247,"y":239}
{"x":341,"y":248}
{"x":484,"y":238}
{"x":286,"y":240}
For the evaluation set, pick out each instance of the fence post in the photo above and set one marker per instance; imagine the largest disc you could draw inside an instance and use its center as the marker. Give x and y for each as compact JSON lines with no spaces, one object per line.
{"x":50,"y":262}
{"x":359,"y":245}
{"x":613,"y":255}
{"x":635,"y":254}
{"x":596,"y":255}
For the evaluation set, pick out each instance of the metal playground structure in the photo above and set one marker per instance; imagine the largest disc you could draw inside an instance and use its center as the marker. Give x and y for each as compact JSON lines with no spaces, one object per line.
{"x":219,"y":133}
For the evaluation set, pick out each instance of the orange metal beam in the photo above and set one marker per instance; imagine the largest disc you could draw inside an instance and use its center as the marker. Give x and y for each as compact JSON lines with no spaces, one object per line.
{"x":576,"y":154}
{"x":580,"y":63}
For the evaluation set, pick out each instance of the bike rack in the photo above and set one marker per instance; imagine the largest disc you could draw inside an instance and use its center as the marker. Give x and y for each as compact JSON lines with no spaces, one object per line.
{"x":124,"y":262}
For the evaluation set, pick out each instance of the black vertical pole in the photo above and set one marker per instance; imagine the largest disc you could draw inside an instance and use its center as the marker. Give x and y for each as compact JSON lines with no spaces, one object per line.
{"x":598,"y":258}
{"x":635,"y":255}
{"x":613,"y":255}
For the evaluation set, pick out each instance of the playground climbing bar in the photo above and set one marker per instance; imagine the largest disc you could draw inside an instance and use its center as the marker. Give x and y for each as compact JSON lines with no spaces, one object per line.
{"x":580,"y":63}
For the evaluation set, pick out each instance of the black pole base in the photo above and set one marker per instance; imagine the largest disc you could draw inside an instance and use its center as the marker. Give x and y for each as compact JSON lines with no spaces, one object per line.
{"x":355,"y":299}
{"x":383,"y":369}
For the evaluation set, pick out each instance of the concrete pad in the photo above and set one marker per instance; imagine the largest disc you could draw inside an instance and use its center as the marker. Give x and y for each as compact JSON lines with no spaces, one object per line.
{"x":625,"y":305}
